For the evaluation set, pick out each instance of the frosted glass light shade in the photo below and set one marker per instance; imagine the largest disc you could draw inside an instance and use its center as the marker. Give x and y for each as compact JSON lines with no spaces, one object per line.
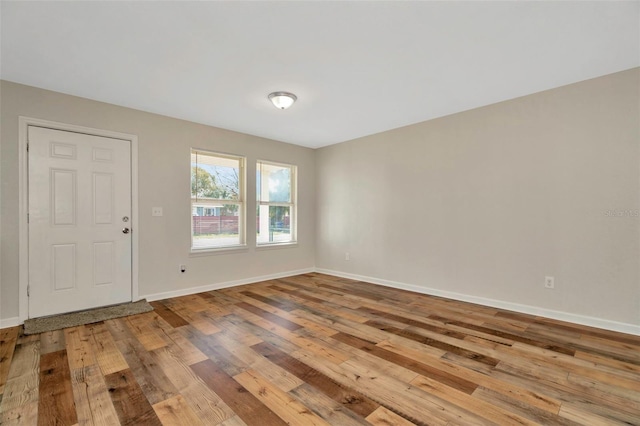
{"x":282,"y":100}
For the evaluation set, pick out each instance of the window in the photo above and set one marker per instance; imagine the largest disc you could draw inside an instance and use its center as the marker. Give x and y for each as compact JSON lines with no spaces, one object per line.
{"x":276,"y":203}
{"x":217,"y":200}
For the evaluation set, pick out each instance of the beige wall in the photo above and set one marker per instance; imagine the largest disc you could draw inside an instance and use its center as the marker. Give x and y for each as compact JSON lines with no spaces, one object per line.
{"x":488,"y":202}
{"x":164,"y":145}
{"x":484,"y":203}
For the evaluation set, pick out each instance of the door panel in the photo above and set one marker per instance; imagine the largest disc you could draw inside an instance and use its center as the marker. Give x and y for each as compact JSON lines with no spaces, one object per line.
{"x":103,"y":263}
{"x":79,"y":195}
{"x":103,"y":198}
{"x":63,"y":264}
{"x":63,"y":197}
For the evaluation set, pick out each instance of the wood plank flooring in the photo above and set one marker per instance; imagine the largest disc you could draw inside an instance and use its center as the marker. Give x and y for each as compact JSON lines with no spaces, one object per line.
{"x":316,"y":350}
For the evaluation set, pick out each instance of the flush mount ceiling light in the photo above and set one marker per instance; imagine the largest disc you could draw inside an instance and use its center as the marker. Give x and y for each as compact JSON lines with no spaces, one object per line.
{"x":282,"y":100}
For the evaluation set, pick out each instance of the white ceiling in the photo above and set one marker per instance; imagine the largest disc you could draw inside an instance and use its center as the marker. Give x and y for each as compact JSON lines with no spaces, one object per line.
{"x":357,"y":68}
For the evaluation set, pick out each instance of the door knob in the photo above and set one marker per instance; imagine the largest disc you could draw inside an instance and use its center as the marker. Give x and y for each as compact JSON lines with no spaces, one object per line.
{"x":126,"y":230}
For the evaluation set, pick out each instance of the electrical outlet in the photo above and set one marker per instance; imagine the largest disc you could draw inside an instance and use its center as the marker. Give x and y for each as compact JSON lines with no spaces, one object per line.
{"x":156,"y":211}
{"x":183,"y":268}
{"x":549,"y":282}
{"x":347,"y":256}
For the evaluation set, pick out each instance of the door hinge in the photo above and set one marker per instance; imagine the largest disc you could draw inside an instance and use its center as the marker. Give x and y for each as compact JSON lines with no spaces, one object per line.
{"x":28,"y":218}
{"x":27,"y":146}
{"x":28,"y":291}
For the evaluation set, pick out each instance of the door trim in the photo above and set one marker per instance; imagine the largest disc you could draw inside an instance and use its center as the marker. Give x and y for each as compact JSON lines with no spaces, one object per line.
{"x":23,"y":201}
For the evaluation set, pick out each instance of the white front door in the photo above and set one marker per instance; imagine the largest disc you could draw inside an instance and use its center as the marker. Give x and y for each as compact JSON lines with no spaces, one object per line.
{"x":79,"y":221}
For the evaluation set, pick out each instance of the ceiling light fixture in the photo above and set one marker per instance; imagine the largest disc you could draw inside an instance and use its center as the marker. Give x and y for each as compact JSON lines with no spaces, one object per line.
{"x":282,"y":100}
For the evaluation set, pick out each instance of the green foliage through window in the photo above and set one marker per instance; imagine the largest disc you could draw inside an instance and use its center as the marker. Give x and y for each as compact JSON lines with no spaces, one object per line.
{"x":216,"y":200}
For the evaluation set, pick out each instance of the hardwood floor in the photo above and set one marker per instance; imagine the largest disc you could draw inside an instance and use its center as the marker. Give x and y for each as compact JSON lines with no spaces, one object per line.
{"x":315,"y":350}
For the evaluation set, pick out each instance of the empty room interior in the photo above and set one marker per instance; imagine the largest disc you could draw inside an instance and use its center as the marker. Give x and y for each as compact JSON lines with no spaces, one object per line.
{"x":312,"y":213}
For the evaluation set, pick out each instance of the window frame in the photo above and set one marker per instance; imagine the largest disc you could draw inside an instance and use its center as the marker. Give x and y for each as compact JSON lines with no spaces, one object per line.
{"x":240,"y":202}
{"x":293,"y":204}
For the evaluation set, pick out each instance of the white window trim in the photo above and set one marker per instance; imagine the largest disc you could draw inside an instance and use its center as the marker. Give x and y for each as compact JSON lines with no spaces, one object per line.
{"x":276,"y":245}
{"x":242,"y":203}
{"x":221,"y":250}
{"x":293,"y":205}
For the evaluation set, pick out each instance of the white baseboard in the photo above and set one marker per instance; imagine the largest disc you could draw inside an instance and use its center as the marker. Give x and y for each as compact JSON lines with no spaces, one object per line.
{"x":227,"y":284}
{"x":526,"y":309}
{"x":10,"y":322}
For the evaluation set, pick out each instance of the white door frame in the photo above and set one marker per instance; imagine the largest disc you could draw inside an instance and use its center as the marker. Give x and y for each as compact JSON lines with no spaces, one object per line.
{"x":23,"y":201}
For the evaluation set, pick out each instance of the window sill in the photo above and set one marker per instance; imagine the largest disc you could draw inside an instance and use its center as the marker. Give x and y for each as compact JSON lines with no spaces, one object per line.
{"x":272,"y":246}
{"x":216,"y":251}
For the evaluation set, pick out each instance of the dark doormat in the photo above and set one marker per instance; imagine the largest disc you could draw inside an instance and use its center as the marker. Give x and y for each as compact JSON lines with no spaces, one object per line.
{"x":57,"y":322}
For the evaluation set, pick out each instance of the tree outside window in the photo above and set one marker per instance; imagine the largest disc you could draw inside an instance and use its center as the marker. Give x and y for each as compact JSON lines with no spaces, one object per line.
{"x":217,"y":200}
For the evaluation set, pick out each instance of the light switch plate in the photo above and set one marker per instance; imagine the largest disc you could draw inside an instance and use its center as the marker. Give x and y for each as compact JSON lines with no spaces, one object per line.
{"x":156,"y":211}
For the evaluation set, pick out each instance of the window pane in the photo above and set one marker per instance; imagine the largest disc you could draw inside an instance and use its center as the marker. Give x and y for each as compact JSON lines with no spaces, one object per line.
{"x":215,"y":225}
{"x":275,"y":193}
{"x":273,"y":183}
{"x":217,"y":209}
{"x":274,"y":224}
{"x":214,"y":177}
